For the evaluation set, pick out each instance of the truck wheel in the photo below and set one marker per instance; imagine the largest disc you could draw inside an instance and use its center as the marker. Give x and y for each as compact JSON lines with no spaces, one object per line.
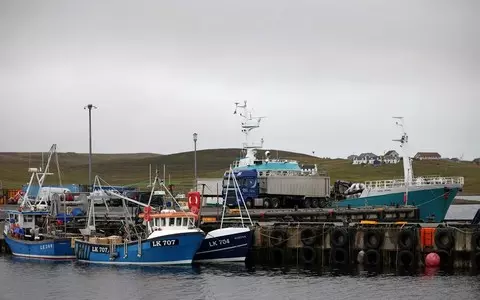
{"x":275,"y":203}
{"x":314,"y":203}
{"x":307,"y":203}
{"x":266,"y":203}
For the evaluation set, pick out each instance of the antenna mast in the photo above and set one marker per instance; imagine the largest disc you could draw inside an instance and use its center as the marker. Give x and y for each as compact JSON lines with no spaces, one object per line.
{"x":407,"y":163}
{"x":248,"y":124}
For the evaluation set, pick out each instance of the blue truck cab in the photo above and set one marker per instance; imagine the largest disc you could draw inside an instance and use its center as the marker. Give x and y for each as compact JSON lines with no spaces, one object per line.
{"x":248,"y":184}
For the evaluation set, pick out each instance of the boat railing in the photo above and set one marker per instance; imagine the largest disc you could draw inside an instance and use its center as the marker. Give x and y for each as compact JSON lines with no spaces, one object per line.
{"x":418,"y":181}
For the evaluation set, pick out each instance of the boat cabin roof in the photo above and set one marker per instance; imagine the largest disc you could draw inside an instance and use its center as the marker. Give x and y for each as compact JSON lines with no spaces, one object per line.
{"x":169,"y":214}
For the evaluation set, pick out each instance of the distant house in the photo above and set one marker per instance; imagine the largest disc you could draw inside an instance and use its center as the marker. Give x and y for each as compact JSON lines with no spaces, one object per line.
{"x":391,"y":157}
{"x":352,"y":157}
{"x":427,"y":156}
{"x":365,"y":158}
{"x":477,"y":161}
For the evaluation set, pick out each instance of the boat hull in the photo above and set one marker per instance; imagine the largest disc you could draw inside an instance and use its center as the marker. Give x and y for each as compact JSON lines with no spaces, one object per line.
{"x":433,"y":202}
{"x":56,"y":249}
{"x":225,"y":245}
{"x":171,"y":249}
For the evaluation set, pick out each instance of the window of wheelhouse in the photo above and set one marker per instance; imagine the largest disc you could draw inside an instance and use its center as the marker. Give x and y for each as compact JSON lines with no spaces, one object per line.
{"x":171,"y":222}
{"x":179,"y":222}
{"x":162,"y":222}
{"x":185,"y":222}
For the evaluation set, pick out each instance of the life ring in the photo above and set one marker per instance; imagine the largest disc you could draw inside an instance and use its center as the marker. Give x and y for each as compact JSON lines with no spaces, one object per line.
{"x":476,"y":241}
{"x":147,"y":211}
{"x":277,"y":256}
{"x":339,"y":237}
{"x":278,"y":237}
{"x":193,"y":200}
{"x":444,"y":238}
{"x":338,"y":256}
{"x":405,"y":258}
{"x":372,"y":257}
{"x":373,"y":239}
{"x":406,"y":239}
{"x":308,"y":236}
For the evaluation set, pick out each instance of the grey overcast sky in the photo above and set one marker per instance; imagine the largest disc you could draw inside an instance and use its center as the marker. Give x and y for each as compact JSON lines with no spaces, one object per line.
{"x":329,"y":75}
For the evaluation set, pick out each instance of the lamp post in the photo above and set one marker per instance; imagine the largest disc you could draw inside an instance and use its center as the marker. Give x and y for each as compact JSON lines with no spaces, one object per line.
{"x":195,"y":136}
{"x":89,"y":107}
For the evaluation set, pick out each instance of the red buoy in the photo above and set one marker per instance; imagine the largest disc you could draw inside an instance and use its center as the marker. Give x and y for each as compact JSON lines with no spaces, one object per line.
{"x":432,"y":260}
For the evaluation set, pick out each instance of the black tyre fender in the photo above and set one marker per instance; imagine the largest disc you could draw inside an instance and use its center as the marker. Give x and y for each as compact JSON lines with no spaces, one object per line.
{"x":405,"y":258}
{"x":339,"y":256}
{"x":444,"y":238}
{"x":445,"y":258}
{"x":308,"y":236}
{"x":339,"y":237}
{"x":308,"y":254}
{"x":373,"y":239}
{"x":277,"y":256}
{"x":278,"y":237}
{"x":406,"y":239}
{"x":476,"y":261}
{"x":372,"y":257}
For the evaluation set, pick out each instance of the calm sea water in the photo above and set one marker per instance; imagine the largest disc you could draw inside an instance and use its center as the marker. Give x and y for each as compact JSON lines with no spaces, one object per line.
{"x":26,"y":279}
{"x":22,"y":279}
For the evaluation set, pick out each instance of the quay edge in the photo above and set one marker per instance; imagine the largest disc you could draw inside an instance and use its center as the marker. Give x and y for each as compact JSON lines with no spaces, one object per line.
{"x":370,"y":244}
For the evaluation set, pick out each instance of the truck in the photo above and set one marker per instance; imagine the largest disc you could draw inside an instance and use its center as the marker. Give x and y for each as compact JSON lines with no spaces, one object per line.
{"x":264,"y":190}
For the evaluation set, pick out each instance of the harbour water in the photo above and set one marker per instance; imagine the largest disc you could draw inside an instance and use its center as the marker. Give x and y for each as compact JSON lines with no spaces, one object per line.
{"x":24,"y":279}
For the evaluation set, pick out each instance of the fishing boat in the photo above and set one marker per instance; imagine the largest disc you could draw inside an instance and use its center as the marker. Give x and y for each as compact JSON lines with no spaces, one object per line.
{"x":433,"y":195}
{"x":227,"y":244}
{"x":166,"y":237}
{"x":32,"y":230}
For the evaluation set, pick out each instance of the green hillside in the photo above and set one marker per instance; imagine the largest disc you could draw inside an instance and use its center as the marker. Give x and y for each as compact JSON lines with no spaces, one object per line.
{"x":133,"y":169}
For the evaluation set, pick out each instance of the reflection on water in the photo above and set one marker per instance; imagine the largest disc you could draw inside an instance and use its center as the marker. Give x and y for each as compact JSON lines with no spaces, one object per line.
{"x":73,"y":280}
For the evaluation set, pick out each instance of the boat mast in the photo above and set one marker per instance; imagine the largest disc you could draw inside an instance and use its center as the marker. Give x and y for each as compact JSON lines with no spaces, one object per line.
{"x":248,"y":124}
{"x":25,"y":201}
{"x":407,"y":162}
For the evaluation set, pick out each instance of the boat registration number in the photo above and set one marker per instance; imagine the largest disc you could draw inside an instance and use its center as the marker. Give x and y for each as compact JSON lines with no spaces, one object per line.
{"x":100,"y":249}
{"x":46,"y":246}
{"x":165,"y":243}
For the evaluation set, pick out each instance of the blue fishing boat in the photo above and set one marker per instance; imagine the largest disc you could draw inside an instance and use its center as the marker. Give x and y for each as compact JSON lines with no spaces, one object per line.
{"x":25,"y":237}
{"x":167,"y":237}
{"x":227,"y":244}
{"x":32,"y":230}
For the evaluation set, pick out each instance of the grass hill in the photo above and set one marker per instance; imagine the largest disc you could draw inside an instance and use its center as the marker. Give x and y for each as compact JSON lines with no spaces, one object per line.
{"x":133,"y":169}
